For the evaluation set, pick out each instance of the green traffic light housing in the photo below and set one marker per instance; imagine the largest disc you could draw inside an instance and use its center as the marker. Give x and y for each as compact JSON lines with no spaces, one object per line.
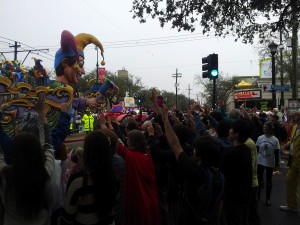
{"x":213,"y":68}
{"x":210,"y":67}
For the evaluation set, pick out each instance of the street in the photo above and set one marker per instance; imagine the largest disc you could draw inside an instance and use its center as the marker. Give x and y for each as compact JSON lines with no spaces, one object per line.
{"x":271,"y":215}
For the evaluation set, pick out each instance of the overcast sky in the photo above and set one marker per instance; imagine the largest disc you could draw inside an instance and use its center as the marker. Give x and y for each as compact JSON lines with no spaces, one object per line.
{"x":145,"y":50}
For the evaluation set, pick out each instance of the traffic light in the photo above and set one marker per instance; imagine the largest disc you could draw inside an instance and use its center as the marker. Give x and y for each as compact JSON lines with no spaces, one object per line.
{"x":210,"y":67}
{"x":205,"y":66}
{"x":214,"y":70}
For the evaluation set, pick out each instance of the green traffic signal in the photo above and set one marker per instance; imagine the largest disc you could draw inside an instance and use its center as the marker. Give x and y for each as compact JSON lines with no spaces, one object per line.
{"x":214,"y":73}
{"x":214,"y":67}
{"x":210,"y":66}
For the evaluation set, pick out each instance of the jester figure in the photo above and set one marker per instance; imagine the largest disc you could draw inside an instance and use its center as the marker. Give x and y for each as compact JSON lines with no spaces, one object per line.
{"x":69,"y":62}
{"x":104,"y":87}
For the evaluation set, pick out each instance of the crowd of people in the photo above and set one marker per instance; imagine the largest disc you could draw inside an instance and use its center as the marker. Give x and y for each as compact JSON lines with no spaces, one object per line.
{"x":201,"y":167}
{"x":149,"y":173}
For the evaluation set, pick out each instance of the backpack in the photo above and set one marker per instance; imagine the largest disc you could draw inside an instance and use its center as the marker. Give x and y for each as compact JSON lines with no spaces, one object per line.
{"x":211,"y":194}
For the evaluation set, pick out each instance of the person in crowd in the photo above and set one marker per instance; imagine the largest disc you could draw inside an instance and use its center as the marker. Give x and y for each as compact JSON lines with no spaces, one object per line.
{"x":58,"y":133}
{"x":279,"y":114}
{"x":293,"y":175}
{"x":259,"y":120}
{"x":91,"y":195}
{"x":140,"y":199}
{"x":288,"y":126}
{"x":284,"y":115}
{"x":233,"y":116}
{"x":163,"y":161}
{"x":88,"y":121}
{"x":192,"y":169}
{"x":58,"y":179}
{"x":268,"y":157}
{"x":237,"y":167}
{"x":279,"y":130}
{"x":222,"y":137}
{"x":253,"y":216}
{"x":74,"y":163}
{"x":125,"y":128}
{"x":25,"y":187}
{"x":119,"y":167}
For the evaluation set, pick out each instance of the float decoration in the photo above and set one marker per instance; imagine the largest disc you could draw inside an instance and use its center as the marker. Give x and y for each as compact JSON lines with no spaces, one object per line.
{"x":103,"y":89}
{"x":20,"y":87}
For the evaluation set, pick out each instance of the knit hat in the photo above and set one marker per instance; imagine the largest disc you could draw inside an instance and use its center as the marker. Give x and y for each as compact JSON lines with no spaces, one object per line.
{"x":68,"y":48}
{"x":83,"y":39}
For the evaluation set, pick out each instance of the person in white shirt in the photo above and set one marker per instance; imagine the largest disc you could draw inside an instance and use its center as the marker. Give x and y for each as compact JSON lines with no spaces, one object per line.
{"x":267,"y":157}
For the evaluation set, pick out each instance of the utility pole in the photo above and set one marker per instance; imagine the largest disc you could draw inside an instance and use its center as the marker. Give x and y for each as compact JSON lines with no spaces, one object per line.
{"x":16,"y":46}
{"x":189,"y":89}
{"x":176,"y":75}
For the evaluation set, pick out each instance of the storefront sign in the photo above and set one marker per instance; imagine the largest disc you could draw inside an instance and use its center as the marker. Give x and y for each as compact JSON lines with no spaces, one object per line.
{"x":250,"y":94}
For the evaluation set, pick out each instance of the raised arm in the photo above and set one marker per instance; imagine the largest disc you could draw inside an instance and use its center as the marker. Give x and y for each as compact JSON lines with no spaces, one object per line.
{"x":171,"y":136}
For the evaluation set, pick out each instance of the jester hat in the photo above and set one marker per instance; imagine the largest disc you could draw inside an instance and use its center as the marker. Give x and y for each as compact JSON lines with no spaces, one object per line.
{"x":83,"y":39}
{"x":68,"y":48}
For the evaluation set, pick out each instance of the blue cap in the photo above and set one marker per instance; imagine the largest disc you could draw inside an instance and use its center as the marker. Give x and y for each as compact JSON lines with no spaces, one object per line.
{"x":60,"y":55}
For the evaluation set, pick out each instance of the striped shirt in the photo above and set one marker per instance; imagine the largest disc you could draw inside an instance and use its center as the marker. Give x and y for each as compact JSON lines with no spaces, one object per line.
{"x":79,"y":206}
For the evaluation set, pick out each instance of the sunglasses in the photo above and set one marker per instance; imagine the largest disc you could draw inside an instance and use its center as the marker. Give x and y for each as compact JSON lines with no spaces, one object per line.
{"x":81,"y":63}
{"x":71,"y":60}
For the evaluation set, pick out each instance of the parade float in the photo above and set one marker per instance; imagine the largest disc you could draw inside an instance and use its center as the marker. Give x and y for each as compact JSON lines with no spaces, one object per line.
{"x":21,"y":87}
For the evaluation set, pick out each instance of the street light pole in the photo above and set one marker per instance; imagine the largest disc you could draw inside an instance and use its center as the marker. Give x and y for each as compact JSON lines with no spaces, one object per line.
{"x":281,"y":70}
{"x":97,"y":65}
{"x":273,"y":50}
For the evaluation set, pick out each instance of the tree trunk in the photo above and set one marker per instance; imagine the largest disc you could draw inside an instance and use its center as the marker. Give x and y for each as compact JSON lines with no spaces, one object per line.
{"x":295,"y":75}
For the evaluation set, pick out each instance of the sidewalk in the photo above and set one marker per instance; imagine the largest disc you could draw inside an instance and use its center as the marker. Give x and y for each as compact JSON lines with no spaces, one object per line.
{"x":271,"y":215}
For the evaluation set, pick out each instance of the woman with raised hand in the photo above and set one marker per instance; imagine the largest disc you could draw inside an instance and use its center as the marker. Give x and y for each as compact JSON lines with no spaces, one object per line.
{"x":25,"y":187}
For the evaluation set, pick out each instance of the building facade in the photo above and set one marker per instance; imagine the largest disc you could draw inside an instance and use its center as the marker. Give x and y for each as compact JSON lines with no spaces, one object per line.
{"x":259,"y":95}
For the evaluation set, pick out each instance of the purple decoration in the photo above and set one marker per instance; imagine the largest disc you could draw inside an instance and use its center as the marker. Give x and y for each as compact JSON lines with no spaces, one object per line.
{"x":68,"y":41}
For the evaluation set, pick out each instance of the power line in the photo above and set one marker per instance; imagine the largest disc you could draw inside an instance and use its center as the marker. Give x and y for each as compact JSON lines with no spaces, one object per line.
{"x":143,"y":42}
{"x":16,"y":51}
{"x":37,"y":49}
{"x":7,"y":43}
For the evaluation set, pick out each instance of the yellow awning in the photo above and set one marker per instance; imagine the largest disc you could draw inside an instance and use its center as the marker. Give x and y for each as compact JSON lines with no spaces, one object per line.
{"x":243,"y":84}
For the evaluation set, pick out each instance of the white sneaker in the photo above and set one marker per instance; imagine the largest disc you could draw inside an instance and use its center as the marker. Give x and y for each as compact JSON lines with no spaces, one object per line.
{"x":286,"y":208}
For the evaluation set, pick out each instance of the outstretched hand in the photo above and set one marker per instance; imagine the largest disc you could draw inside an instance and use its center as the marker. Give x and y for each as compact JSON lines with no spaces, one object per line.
{"x":65,"y":107}
{"x":164,"y":111}
{"x":153,"y":95}
{"x":91,"y":102}
{"x":102,"y":120}
{"x":39,"y":104}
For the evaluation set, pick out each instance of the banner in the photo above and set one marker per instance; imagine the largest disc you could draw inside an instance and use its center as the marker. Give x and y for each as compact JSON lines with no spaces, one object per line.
{"x":249,"y":94}
{"x":129,"y":102}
